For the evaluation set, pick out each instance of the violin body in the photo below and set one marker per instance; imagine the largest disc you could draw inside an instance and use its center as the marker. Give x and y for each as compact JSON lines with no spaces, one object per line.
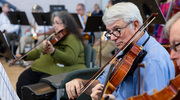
{"x":171,"y":92}
{"x":57,"y":37}
{"x":122,"y":68}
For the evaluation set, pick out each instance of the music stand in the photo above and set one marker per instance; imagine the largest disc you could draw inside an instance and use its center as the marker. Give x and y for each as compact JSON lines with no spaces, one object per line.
{"x":5,"y":47}
{"x":95,"y":24}
{"x":147,"y":7}
{"x":43,"y":19}
{"x":19,"y":18}
{"x":77,"y":20}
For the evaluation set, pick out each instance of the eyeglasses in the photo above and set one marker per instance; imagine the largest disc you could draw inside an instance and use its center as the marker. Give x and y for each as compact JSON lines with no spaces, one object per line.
{"x":175,"y":47}
{"x":79,"y":9}
{"x":116,"y":33}
{"x":57,"y":23}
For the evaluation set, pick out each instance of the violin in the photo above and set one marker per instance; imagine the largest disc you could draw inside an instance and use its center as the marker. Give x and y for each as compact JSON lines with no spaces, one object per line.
{"x":122,"y":67}
{"x":170,"y":92}
{"x":58,"y":37}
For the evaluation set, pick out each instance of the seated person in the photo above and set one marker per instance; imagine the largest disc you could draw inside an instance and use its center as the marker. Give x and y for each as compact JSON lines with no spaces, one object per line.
{"x":123,"y":20}
{"x":173,"y":32}
{"x":66,"y":55}
{"x":97,"y":11}
{"x":37,"y":32}
{"x":6,"y":27}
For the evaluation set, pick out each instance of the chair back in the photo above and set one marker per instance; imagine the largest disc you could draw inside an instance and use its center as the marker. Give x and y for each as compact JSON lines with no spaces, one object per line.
{"x":89,"y":56}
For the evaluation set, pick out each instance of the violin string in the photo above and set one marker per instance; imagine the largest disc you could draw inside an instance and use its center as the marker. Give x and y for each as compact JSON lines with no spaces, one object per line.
{"x":138,"y":34}
{"x":85,"y":88}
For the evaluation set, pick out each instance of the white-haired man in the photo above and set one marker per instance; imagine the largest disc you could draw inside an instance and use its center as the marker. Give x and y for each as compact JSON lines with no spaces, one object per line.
{"x":123,"y":20}
{"x":172,"y":28}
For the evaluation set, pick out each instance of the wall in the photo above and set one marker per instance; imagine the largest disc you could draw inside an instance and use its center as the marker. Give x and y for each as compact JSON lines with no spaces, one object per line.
{"x":26,"y":5}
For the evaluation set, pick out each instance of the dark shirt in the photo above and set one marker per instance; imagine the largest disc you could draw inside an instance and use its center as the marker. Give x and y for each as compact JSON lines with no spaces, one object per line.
{"x":100,"y":13}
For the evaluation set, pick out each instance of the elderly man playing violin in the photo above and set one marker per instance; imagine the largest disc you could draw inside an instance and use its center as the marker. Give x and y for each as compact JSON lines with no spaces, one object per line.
{"x":122,"y":21}
{"x":173,"y":31}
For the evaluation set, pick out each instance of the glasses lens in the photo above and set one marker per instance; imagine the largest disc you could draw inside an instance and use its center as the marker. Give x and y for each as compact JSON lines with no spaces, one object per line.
{"x":117,"y":33}
{"x":108,"y":35}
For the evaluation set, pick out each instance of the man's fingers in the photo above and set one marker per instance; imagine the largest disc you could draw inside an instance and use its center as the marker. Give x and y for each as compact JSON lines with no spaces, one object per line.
{"x":98,"y":87}
{"x":68,"y":90}
{"x":95,"y":95}
{"x":78,"y":88}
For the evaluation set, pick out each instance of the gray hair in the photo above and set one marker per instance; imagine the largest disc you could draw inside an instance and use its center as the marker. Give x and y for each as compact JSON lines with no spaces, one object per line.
{"x":170,"y":23}
{"x":68,"y":21}
{"x":82,"y":5}
{"x":126,"y":11}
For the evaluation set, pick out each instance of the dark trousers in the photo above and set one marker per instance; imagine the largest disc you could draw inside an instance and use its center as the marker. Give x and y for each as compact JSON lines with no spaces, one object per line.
{"x":11,"y":36}
{"x":28,"y":77}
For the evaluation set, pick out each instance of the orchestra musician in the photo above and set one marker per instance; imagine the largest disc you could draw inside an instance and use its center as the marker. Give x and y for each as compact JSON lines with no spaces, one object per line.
{"x":172,"y":29}
{"x":80,"y":8}
{"x":164,"y":6}
{"x":37,"y":32}
{"x":123,"y":20}
{"x":64,"y":56}
{"x":6,"y":27}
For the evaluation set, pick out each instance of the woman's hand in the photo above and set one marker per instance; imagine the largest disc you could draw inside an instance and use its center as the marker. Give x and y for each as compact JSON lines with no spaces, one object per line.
{"x":12,"y":61}
{"x":48,"y":47}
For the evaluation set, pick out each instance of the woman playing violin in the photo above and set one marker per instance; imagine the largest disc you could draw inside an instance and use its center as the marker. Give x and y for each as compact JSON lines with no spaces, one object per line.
{"x":122,"y":20}
{"x":66,"y":55}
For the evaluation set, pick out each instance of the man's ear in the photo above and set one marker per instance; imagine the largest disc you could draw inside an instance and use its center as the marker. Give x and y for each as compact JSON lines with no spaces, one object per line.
{"x":136,"y":25}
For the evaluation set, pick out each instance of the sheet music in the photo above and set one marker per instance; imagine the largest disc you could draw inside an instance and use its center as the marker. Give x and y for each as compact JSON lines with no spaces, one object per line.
{"x":6,"y":90}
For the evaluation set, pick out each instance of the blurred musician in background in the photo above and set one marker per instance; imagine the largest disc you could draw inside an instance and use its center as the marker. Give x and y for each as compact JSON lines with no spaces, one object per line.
{"x":97,"y":11}
{"x":164,"y":5}
{"x":6,"y":27}
{"x":36,"y":31}
{"x":173,"y":31}
{"x":80,"y":8}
